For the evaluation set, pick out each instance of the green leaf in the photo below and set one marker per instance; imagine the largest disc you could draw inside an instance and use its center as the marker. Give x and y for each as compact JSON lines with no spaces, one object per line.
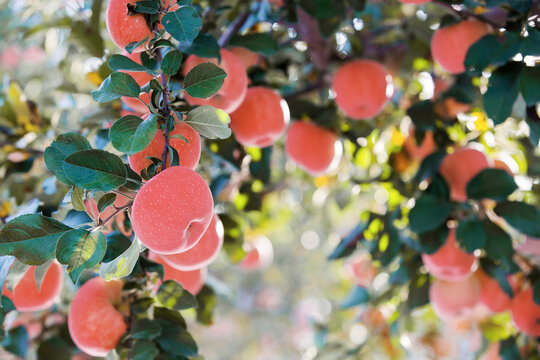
{"x":95,"y":170}
{"x":79,"y":250}
{"x":60,"y":149}
{"x":77,"y":199}
{"x":15,"y":274}
{"x":357,"y":296}
{"x":530,"y":45}
{"x":528,"y":85}
{"x":428,"y":213}
{"x":135,"y":44}
{"x":144,"y":350}
{"x":536,"y":292}
{"x":147,"y":7}
{"x":171,"y":62}
{"x":31,"y":238}
{"x":263,"y":44}
{"x":209,"y":122}
{"x":145,"y":329}
{"x":508,"y":349}
{"x":423,"y":115}
{"x":121,"y":62}
{"x":5,"y":264}
{"x":207,"y":301}
{"x":494,"y":184}
{"x":131,"y":134}
{"x":205,"y":46}
{"x":471,"y":234}
{"x":40,"y":271}
{"x":178,"y":342}
{"x":105,"y":201}
{"x":204,"y":80}
{"x":16,"y":341}
{"x":492,"y":50}
{"x":522,"y":216}
{"x":115,"y":86}
{"x":183,"y":24}
{"x":173,"y":296}
{"x":123,"y":265}
{"x":502,"y":92}
{"x":499,"y":243}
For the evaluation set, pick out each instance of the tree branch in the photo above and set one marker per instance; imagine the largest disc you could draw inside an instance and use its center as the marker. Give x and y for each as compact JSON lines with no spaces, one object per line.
{"x":466,"y":14}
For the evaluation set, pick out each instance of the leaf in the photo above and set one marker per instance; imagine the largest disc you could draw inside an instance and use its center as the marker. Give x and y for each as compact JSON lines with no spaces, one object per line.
{"x":357,"y":296}
{"x":471,"y":234}
{"x":536,"y":292}
{"x":530,"y":45}
{"x":144,"y":350}
{"x":428,"y":213}
{"x":173,"y":296}
{"x":147,"y":7}
{"x":423,"y":115}
{"x":105,"y":201}
{"x":429,"y":166}
{"x":31,"y":238}
{"x":499,"y":243}
{"x":95,"y":170}
{"x":209,"y":122}
{"x":347,"y":245}
{"x":115,"y":86}
{"x":528,"y":85}
{"x":522,"y":216}
{"x":131,"y":134}
{"x":39,"y":273}
{"x":171,"y":62}
{"x":178,"y":342}
{"x":5,"y":264}
{"x":123,"y":265}
{"x":494,"y":184}
{"x":60,"y":149}
{"x":204,"y":80}
{"x":207,"y":301}
{"x":15,"y":274}
{"x":502,"y":92}
{"x":508,"y":349}
{"x":145,"y":329}
{"x":79,"y":250}
{"x":492,"y":50}
{"x":120,"y":62}
{"x":263,"y":44}
{"x":16,"y":341}
{"x":77,"y":199}
{"x":205,"y":46}
{"x":183,"y":24}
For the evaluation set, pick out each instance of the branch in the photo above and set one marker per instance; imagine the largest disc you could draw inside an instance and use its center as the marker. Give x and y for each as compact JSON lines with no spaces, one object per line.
{"x":309,"y":88}
{"x":118,"y":210}
{"x":233,"y":29}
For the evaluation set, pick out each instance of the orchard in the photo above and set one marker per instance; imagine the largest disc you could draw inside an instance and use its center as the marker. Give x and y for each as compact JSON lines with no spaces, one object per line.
{"x":270,"y":179}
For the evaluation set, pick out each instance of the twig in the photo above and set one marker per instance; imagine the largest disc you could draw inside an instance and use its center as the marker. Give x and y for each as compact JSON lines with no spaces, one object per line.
{"x":233,"y":29}
{"x":118,"y":210}
{"x":306,"y":90}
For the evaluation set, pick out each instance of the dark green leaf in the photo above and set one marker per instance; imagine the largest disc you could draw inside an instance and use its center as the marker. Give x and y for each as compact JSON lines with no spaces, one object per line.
{"x":536,"y":292}
{"x":31,"y":238}
{"x":207,"y":301}
{"x":183,"y":24}
{"x":131,"y":134}
{"x":263,"y":44}
{"x":423,"y":115}
{"x":173,"y":296}
{"x":428,"y":213}
{"x":502,"y":92}
{"x":95,"y":170}
{"x":508,"y":349}
{"x":178,"y":342}
{"x":498,"y":242}
{"x":492,"y":50}
{"x":205,"y":46}
{"x":118,"y":84}
{"x":171,"y":62}
{"x":145,"y":329}
{"x":105,"y":201}
{"x":60,"y":149}
{"x":16,"y":341}
{"x":79,"y":250}
{"x":144,"y":350}
{"x":522,"y":216}
{"x":147,"y":7}
{"x":471,"y":234}
{"x":209,"y":122}
{"x":494,"y":184}
{"x":121,"y":62}
{"x":528,"y":85}
{"x":530,"y":45}
{"x":418,"y":292}
{"x":204,"y":80}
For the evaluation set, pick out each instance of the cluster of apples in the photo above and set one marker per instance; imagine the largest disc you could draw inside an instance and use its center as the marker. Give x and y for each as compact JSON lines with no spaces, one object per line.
{"x":458,"y":289}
